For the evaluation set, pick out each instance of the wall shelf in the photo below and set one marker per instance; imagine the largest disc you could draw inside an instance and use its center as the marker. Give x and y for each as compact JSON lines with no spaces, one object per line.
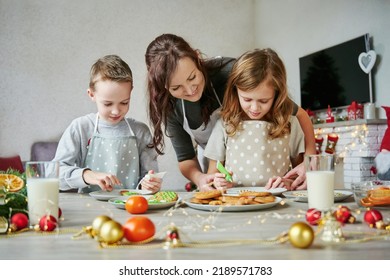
{"x":350,"y":123}
{"x":358,"y":144}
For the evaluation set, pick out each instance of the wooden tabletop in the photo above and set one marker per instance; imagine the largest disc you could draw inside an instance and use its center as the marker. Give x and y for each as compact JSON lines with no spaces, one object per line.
{"x":212,"y":231}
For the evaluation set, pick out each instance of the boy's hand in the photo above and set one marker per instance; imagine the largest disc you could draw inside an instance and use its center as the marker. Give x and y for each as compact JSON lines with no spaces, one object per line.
{"x":152,"y":182}
{"x":105,"y":181}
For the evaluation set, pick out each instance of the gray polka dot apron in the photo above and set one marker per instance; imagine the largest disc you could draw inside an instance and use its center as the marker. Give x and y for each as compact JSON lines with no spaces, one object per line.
{"x":115,"y":155}
{"x":202,"y":134}
{"x":254,"y":158}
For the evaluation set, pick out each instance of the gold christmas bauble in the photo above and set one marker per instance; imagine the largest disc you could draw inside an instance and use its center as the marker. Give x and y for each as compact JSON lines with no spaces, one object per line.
{"x":97,"y":224}
{"x":301,"y":235}
{"x":111,"y":232}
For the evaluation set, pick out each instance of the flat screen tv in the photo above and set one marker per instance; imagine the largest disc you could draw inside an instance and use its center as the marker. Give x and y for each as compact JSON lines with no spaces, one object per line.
{"x":333,"y":77}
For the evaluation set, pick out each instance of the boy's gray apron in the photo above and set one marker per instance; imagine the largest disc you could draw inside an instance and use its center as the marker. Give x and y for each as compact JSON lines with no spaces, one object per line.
{"x":116,"y":155}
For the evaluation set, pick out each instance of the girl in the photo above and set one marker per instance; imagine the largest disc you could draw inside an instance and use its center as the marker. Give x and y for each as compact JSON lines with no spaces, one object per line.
{"x":257,"y":137}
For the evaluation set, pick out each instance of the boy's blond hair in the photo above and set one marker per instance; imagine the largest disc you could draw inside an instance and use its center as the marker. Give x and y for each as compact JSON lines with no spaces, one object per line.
{"x":110,"y":67}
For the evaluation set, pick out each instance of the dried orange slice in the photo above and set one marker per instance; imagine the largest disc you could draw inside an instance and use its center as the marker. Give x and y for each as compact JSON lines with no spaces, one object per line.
{"x":365,"y":202}
{"x":11,"y":183}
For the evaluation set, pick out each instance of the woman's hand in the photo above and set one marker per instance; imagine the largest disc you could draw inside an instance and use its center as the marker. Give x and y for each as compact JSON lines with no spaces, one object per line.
{"x":298,"y":177}
{"x":151,"y":183}
{"x":205,"y":182}
{"x":215,"y":181}
{"x":279,"y":182}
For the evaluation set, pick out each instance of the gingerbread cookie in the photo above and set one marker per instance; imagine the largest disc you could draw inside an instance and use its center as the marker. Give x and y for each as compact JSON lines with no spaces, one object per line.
{"x":200,"y":201}
{"x":253,"y":193}
{"x":208,"y":194}
{"x":163,"y":197}
{"x":265,"y":199}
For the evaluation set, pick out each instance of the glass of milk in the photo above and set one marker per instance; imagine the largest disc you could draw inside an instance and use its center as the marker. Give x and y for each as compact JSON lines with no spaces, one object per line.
{"x":42,"y":189}
{"x":320,"y":181}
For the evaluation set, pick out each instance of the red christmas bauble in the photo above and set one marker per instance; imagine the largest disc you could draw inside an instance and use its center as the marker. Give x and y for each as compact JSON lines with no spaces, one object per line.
{"x":313,"y":216}
{"x":47,"y":223}
{"x":19,"y":220}
{"x":342,"y":214}
{"x":372,"y":216}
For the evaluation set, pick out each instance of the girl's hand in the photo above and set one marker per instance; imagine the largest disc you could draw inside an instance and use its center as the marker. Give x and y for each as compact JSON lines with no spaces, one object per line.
{"x":220,"y":182}
{"x":151,"y":183}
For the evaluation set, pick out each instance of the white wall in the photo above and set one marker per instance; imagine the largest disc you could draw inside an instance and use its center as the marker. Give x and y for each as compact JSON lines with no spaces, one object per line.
{"x":48,"y":47}
{"x":297,"y":28}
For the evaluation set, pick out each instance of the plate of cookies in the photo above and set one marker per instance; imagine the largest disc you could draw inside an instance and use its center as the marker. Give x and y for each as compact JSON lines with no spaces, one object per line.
{"x":301,"y":196}
{"x":217,"y":200}
{"x":106,"y":195}
{"x":238,"y":190}
{"x":160,"y":200}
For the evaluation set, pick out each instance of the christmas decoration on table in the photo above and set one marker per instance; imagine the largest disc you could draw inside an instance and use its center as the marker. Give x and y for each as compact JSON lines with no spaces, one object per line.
{"x":329,"y":115}
{"x":47,"y":223}
{"x":19,"y":221}
{"x":190,"y":186}
{"x":319,"y":140}
{"x":344,"y":215}
{"x":172,"y":239}
{"x":13,"y":193}
{"x":330,"y":225}
{"x":139,"y":232}
{"x":14,"y":204}
{"x":313,"y":216}
{"x":331,"y":143}
{"x":382,"y":159}
{"x":373,"y":218}
{"x":331,"y":229}
{"x":4,"y":225}
{"x":301,"y":235}
{"x":355,"y":111}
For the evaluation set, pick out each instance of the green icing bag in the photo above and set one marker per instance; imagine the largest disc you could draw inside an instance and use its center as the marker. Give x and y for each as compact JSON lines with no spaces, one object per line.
{"x":223,"y":170}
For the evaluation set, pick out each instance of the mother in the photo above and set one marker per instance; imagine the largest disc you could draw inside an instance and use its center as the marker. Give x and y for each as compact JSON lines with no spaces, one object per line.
{"x":185,"y":95}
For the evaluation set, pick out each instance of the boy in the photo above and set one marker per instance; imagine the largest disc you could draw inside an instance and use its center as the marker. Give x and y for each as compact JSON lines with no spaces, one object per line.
{"x":105,"y":149}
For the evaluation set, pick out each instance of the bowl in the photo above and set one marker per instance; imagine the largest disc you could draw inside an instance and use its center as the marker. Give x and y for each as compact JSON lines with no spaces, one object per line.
{"x":372,"y":193}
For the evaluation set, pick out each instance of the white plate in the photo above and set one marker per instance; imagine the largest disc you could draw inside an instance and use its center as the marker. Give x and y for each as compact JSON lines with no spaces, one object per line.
{"x":104,"y":195}
{"x":301,"y":196}
{"x":233,"y":208}
{"x":237,"y":190}
{"x":115,"y":201}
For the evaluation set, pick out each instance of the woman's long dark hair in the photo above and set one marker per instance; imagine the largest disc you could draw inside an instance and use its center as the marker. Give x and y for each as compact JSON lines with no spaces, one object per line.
{"x":162,"y":57}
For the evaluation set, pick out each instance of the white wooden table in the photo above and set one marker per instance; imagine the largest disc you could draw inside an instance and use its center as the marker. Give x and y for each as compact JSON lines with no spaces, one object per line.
{"x":194,"y":225}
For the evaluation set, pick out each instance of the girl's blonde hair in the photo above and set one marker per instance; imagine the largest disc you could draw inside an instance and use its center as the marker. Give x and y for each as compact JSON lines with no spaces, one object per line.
{"x":251,"y":69}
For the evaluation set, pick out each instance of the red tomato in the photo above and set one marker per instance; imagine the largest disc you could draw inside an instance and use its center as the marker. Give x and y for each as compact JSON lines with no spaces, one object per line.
{"x":138,"y":228}
{"x":136,"y":204}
